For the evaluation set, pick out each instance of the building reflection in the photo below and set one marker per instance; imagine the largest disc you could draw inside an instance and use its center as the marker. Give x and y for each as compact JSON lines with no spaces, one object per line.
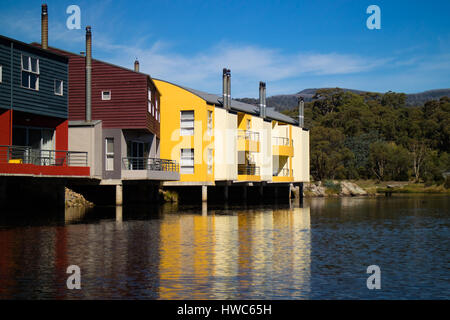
{"x":240,"y":253}
{"x":197,"y":254}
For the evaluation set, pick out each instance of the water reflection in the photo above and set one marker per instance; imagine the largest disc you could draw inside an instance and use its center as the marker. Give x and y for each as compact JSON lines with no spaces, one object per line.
{"x":320,"y":250}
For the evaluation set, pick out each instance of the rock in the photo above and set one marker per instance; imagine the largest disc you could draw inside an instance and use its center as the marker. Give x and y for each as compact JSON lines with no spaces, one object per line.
{"x":351,"y":189}
{"x":74,"y":199}
{"x":314,"y":189}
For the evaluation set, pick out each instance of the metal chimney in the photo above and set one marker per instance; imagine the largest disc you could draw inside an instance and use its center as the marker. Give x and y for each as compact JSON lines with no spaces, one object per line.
{"x":136,"y":65}
{"x":228,"y":89}
{"x":44,"y":27}
{"x":262,"y":99}
{"x":88,"y":73}
{"x":301,"y":110}
{"x":224,"y":87}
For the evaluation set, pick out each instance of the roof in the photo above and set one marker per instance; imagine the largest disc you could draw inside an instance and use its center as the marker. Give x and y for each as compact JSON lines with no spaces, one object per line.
{"x":36,"y":50}
{"x":38,"y":45}
{"x":237,"y":105}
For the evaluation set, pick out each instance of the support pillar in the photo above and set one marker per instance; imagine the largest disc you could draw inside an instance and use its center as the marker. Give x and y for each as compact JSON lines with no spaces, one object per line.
{"x":3,"y":196}
{"x":275,"y":192}
{"x":225,"y":193}
{"x":119,"y":195}
{"x":300,"y":194}
{"x":261,"y":191}
{"x":204,"y":193}
{"x":244,"y":193}
{"x":60,"y":195}
{"x":204,"y":208}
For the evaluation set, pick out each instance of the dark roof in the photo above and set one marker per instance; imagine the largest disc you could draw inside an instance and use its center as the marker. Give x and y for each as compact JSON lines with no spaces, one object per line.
{"x":36,"y":50}
{"x":237,"y":105}
{"x":38,"y":45}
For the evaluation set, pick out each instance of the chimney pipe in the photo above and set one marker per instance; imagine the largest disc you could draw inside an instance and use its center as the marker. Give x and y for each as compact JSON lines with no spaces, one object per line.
{"x":88,"y":73}
{"x":301,"y":110}
{"x":262,"y":99}
{"x":136,"y":65}
{"x":228,"y":89}
{"x":224,"y":87}
{"x":44,"y":27}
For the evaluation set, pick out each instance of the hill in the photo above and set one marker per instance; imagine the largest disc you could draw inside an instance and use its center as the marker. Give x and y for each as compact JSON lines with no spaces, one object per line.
{"x":289,"y":101}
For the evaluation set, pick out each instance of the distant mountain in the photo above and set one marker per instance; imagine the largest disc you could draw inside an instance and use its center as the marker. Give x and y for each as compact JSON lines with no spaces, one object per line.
{"x":289,"y":101}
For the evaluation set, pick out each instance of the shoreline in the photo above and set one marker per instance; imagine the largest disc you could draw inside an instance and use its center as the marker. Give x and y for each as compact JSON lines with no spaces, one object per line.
{"x":369,"y":188}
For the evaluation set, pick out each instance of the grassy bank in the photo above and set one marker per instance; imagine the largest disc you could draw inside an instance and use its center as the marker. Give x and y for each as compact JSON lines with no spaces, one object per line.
{"x":375,"y":187}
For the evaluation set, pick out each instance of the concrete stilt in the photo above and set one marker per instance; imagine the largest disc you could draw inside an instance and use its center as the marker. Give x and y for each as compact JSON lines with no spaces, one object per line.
{"x":119,"y":195}
{"x":275,"y":192}
{"x":261,"y":192}
{"x":244,"y":193}
{"x":60,"y":195}
{"x":204,"y":193}
{"x":119,"y":215}
{"x":225,"y":193}
{"x":3,"y":196}
{"x":204,"y":208}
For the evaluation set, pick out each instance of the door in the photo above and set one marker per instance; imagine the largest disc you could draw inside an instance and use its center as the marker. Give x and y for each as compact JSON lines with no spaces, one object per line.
{"x":136,"y":155}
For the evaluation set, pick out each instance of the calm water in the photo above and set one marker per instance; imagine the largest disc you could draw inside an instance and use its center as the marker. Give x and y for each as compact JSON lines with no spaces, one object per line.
{"x":319,"y":251}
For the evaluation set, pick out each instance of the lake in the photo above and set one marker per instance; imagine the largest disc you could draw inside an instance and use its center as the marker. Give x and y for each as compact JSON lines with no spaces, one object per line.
{"x":318,"y":250}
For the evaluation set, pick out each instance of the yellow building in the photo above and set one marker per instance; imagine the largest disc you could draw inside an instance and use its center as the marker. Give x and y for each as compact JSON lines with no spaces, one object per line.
{"x":220,"y":141}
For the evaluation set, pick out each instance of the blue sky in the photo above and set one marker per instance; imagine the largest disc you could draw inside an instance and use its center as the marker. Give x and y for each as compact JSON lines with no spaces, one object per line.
{"x":292,"y":45}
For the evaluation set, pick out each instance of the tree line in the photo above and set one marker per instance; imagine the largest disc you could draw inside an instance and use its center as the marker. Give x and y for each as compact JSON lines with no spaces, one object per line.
{"x":376,"y":136}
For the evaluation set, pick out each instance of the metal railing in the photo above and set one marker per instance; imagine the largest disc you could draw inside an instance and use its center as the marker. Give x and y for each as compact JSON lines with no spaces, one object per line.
{"x":280,"y":141}
{"x":248,"y":135}
{"x":248,"y":169}
{"x":155,"y":164}
{"x":282,"y":173}
{"x":28,"y":155}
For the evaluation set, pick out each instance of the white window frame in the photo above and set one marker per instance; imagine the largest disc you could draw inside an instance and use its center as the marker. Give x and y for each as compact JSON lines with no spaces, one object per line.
{"x":210,"y":157}
{"x":209,"y":122}
{"x":29,"y":72}
{"x":62,"y":87}
{"x":103,"y":94}
{"x":187,"y":161}
{"x":109,"y":155}
{"x":187,"y":122}
{"x":1,"y":73}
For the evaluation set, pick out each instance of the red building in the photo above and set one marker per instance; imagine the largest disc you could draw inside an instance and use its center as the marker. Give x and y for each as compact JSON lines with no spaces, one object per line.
{"x":114,"y":115}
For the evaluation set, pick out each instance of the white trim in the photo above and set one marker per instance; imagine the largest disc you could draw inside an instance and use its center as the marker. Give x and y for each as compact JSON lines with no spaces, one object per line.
{"x":62,"y":88}
{"x":103,"y":94}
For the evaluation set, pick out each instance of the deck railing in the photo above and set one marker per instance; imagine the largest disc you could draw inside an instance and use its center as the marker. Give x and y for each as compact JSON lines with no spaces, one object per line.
{"x":248,"y":135}
{"x":282,"y":173}
{"x":28,"y":155}
{"x":280,"y":141}
{"x":155,"y":164}
{"x":248,"y":169}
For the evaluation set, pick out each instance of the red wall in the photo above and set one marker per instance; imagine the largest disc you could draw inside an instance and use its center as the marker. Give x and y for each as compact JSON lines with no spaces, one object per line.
{"x":5,"y":127}
{"x":62,"y":136}
{"x":128,"y":106}
{"x":13,"y":168}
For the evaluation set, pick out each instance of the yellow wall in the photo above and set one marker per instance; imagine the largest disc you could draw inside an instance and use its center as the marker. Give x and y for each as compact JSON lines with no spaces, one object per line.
{"x":173,"y":100}
{"x":224,"y":140}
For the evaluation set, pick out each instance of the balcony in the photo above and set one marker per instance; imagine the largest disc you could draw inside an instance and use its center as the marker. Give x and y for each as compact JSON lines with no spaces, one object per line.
{"x":20,"y":160}
{"x":141,"y":168}
{"x":248,"y":172}
{"x":248,"y":141}
{"x":283,"y":175}
{"x":282,"y":146}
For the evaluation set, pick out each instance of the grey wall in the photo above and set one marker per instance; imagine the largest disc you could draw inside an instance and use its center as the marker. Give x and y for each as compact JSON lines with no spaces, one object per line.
{"x":116,"y":134}
{"x":44,"y":101}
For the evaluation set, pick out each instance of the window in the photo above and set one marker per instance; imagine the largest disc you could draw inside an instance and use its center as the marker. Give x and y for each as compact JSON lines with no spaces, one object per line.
{"x":210,"y":122}
{"x":157,"y":109}
{"x":59,"y":87}
{"x":109,"y":148}
{"x":149,"y":101}
{"x":106,"y":95}
{"x":30,"y":72}
{"x":187,"y":161}
{"x":210,"y":160}
{"x":249,"y":124}
{"x":1,"y":73}
{"x":187,"y":123}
